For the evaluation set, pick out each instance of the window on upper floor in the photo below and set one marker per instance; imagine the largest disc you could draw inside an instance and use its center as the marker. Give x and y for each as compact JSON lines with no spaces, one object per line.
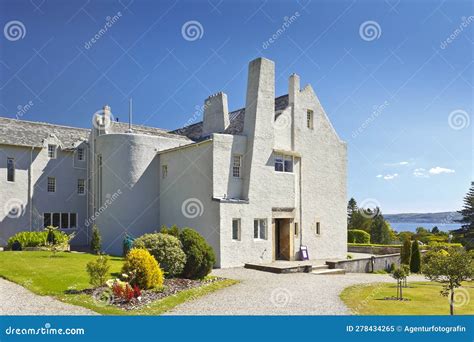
{"x":80,"y":153}
{"x":81,"y":186}
{"x":260,"y":229}
{"x":52,"y":151}
{"x":309,"y":119}
{"x":236,"y":166}
{"x":235,"y":229}
{"x":51,"y":184}
{"x":164,"y":171}
{"x":10,"y":169}
{"x":283,"y":163}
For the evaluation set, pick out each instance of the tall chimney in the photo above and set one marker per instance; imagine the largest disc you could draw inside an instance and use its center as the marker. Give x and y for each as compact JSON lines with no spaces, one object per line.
{"x":293,"y":88}
{"x":216,"y":114}
{"x":258,"y":125}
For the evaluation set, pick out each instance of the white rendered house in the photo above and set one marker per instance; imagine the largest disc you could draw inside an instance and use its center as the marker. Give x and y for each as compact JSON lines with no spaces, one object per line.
{"x":257,"y":183}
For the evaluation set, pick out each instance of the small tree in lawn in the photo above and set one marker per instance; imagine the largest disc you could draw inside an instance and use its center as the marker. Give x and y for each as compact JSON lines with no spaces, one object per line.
{"x":399,"y":274}
{"x":96,"y":240}
{"x":405,"y":252}
{"x":415,"y":261}
{"x":406,"y":270}
{"x":450,"y":268}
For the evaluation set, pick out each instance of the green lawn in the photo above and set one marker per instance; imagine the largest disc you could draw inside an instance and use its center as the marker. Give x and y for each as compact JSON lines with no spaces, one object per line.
{"x":54,"y":276}
{"x":425,"y":299}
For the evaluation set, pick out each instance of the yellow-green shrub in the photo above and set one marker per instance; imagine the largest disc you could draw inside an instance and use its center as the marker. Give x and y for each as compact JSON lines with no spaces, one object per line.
{"x":144,"y":270}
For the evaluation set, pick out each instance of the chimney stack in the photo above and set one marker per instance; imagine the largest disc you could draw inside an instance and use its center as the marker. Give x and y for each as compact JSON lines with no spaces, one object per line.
{"x":293,"y":88}
{"x":216,"y":114}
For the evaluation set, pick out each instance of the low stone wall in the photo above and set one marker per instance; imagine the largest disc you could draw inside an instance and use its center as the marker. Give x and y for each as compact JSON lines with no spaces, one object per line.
{"x":364,"y":265}
{"x":378,"y":250}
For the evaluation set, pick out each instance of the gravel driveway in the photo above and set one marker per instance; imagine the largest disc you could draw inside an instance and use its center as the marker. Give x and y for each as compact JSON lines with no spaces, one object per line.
{"x":16,"y":300}
{"x":263,"y":293}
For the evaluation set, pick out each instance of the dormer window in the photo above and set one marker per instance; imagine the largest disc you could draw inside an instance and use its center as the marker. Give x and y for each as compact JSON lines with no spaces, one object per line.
{"x":52,"y":151}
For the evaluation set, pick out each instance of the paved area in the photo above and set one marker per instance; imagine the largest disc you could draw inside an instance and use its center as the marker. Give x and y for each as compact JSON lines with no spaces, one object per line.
{"x":264,"y":293}
{"x":16,"y":300}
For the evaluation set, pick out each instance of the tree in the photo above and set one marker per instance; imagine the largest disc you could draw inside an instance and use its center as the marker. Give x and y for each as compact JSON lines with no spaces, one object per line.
{"x":399,"y":274}
{"x":405,"y":252}
{"x":380,"y":230}
{"x":435,"y":230}
{"x":466,"y":233}
{"x":351,"y":209}
{"x":415,"y":261}
{"x":96,"y":240}
{"x":450,"y":268}
{"x":406,"y":270}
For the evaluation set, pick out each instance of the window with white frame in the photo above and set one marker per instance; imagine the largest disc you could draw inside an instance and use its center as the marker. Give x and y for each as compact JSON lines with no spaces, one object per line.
{"x":10,"y":169}
{"x":309,"y":119}
{"x":80,"y":153}
{"x":52,"y":151}
{"x":51,"y":184}
{"x":164,"y":171}
{"x":235,"y":229}
{"x":81,"y":186}
{"x":283,"y":163}
{"x":237,"y":166}
{"x":60,"y":220}
{"x":260,"y":229}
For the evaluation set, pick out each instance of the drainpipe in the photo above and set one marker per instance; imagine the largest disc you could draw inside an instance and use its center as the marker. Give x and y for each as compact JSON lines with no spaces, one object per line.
{"x":300,"y":181}
{"x":30,"y":197}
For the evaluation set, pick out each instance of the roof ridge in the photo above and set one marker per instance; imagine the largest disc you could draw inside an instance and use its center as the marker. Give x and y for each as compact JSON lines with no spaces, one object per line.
{"x":44,"y":123}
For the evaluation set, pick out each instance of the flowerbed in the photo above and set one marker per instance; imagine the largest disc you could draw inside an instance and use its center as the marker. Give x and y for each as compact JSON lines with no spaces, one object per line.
{"x":104,"y":295}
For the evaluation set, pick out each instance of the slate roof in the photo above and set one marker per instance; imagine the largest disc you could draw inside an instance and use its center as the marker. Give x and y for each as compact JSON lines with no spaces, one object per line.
{"x":236,"y":124}
{"x":29,"y":133}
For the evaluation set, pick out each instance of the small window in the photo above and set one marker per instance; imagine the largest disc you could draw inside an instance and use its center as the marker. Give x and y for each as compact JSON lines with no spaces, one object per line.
{"x":318,"y":228}
{"x":51,"y":184}
{"x":164,"y":171}
{"x":81,"y":186}
{"x":56,"y":219}
{"x":80,"y":153}
{"x":297,"y":229}
{"x":260,"y":229}
{"x":52,"y":151}
{"x":236,"y":229}
{"x":10,"y":169}
{"x":309,"y":119}
{"x":283,"y":163}
{"x":46,"y":219}
{"x":236,"y":166}
{"x":64,"y":220}
{"x":72,"y":220}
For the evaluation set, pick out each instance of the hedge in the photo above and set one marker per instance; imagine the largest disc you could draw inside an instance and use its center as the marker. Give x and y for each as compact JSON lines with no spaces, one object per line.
{"x":36,"y":238}
{"x":358,"y":236}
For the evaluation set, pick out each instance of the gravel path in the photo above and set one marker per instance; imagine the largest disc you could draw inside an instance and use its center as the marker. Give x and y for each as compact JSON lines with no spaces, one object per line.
{"x":16,"y":300}
{"x":263,"y":293}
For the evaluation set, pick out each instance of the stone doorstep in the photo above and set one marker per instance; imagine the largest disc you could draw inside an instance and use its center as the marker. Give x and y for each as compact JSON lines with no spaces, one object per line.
{"x":287,"y":268}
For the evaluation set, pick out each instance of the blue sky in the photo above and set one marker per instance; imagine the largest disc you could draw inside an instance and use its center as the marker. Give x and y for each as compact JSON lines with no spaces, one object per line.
{"x":395,"y":88}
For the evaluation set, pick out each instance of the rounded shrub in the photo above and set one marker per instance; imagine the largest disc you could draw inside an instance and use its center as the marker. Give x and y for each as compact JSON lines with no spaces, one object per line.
{"x":358,"y":236}
{"x":167,"y":251}
{"x":143,"y":269}
{"x":200,"y":256}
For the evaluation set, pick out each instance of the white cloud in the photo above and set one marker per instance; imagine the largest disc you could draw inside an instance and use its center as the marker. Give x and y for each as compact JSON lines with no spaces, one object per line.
{"x":439,"y":170}
{"x":397,"y":164}
{"x":390,"y":177}
{"x":379,"y":176}
{"x":420,"y":173}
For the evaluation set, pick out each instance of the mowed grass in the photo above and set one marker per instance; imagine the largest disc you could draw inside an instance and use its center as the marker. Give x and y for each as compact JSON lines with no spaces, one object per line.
{"x":424,"y":299}
{"x":58,"y":275}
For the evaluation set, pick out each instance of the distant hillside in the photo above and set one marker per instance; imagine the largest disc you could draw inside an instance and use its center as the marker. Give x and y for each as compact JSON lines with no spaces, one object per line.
{"x":444,"y":217}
